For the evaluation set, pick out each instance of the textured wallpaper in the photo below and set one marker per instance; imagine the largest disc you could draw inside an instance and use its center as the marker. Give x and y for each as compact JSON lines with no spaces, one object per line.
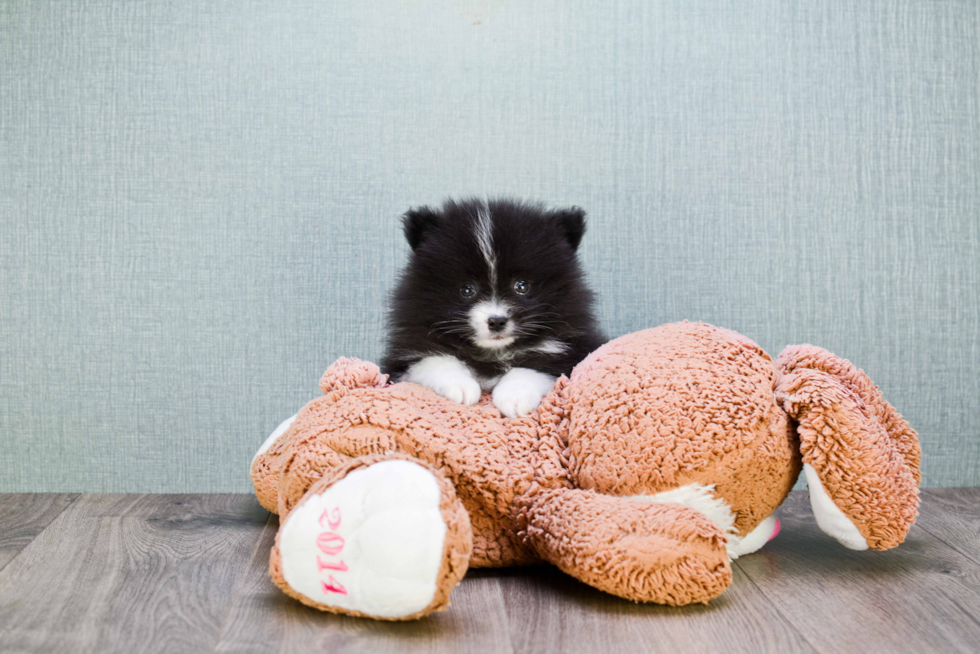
{"x":199,"y":202}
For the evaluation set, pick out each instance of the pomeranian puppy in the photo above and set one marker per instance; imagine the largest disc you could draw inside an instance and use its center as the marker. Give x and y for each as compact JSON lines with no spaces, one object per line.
{"x":492,"y":299}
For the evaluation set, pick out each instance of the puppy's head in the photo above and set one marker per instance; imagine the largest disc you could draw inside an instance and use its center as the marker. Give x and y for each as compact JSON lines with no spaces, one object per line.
{"x":495,"y":275}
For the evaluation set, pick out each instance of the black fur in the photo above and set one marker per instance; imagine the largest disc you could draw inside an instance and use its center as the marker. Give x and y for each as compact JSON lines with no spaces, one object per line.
{"x":419,"y":223}
{"x":428,"y":315}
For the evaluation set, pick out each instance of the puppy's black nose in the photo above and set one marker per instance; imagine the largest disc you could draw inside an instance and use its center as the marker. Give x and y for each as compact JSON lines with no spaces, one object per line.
{"x":497,"y":323}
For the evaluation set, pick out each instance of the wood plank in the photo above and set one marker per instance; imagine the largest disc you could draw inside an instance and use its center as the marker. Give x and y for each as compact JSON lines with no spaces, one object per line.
{"x":263,"y":619}
{"x":552,"y":612}
{"x":922,"y":596}
{"x":953,"y":516}
{"x":152,"y":573}
{"x":188,"y":573}
{"x":24,"y":515}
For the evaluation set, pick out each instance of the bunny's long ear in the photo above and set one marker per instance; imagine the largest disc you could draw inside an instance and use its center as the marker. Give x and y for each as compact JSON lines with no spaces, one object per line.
{"x":861,"y":458}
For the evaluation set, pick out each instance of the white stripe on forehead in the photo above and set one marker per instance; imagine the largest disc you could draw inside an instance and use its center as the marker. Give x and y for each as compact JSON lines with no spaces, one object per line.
{"x":484,"y":239}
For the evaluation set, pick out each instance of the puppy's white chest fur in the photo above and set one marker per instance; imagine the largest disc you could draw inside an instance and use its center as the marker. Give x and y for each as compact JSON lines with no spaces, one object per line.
{"x":516,"y":393}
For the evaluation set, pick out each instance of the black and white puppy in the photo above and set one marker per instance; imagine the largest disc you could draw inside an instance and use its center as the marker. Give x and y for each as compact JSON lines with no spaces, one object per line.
{"x":492,"y":298}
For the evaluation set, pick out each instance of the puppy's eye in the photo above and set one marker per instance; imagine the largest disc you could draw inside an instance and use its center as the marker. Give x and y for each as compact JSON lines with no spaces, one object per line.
{"x":521,"y":287}
{"x":467,"y":291}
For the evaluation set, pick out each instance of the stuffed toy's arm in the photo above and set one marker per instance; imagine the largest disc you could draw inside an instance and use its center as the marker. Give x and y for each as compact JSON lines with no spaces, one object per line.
{"x":666,"y":553}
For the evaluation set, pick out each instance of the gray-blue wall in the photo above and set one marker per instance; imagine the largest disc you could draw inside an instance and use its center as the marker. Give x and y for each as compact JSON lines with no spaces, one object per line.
{"x":199,"y":202}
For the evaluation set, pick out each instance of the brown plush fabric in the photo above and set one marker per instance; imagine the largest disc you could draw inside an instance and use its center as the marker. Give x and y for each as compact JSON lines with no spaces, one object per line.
{"x":344,"y":375}
{"x":866,"y":454}
{"x":696,"y":407}
{"x":649,"y":412}
{"x":643,"y":551}
{"x":485,"y":456}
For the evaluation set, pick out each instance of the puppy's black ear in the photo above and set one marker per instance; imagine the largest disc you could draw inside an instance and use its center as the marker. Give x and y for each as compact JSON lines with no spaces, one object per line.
{"x":419,"y":223}
{"x":571,"y":222}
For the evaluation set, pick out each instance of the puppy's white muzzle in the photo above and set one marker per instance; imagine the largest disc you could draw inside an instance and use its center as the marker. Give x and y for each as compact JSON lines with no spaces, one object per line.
{"x":480,"y":317}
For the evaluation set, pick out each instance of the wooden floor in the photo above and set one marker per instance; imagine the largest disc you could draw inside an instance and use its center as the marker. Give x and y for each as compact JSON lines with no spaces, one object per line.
{"x":187,"y":573}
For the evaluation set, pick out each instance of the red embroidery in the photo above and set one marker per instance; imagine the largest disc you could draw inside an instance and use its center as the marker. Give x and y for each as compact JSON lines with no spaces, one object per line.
{"x":333,"y":587}
{"x":330,"y":543}
{"x":332,"y":518}
{"x":339,"y":566}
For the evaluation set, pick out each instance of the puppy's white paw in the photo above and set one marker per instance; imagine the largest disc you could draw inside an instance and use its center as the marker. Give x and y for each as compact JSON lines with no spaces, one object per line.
{"x":463,"y":390}
{"x":448,"y":377}
{"x":519,"y":392}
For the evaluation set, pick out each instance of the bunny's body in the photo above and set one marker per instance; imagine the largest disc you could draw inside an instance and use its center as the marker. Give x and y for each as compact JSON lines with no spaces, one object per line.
{"x":661,"y":458}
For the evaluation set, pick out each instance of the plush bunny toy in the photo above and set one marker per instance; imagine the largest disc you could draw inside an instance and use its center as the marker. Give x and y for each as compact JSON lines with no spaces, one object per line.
{"x":662,"y":457}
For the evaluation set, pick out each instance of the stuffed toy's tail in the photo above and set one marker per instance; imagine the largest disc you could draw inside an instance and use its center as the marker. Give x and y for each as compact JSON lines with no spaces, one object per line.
{"x":861,"y":458}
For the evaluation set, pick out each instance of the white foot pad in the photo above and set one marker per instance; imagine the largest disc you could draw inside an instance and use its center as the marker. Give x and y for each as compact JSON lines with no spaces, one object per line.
{"x":753,"y":541}
{"x":371,"y":543}
{"x":831,"y":519}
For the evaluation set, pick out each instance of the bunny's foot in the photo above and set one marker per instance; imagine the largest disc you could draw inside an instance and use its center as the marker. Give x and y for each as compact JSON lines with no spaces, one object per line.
{"x":385,"y":537}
